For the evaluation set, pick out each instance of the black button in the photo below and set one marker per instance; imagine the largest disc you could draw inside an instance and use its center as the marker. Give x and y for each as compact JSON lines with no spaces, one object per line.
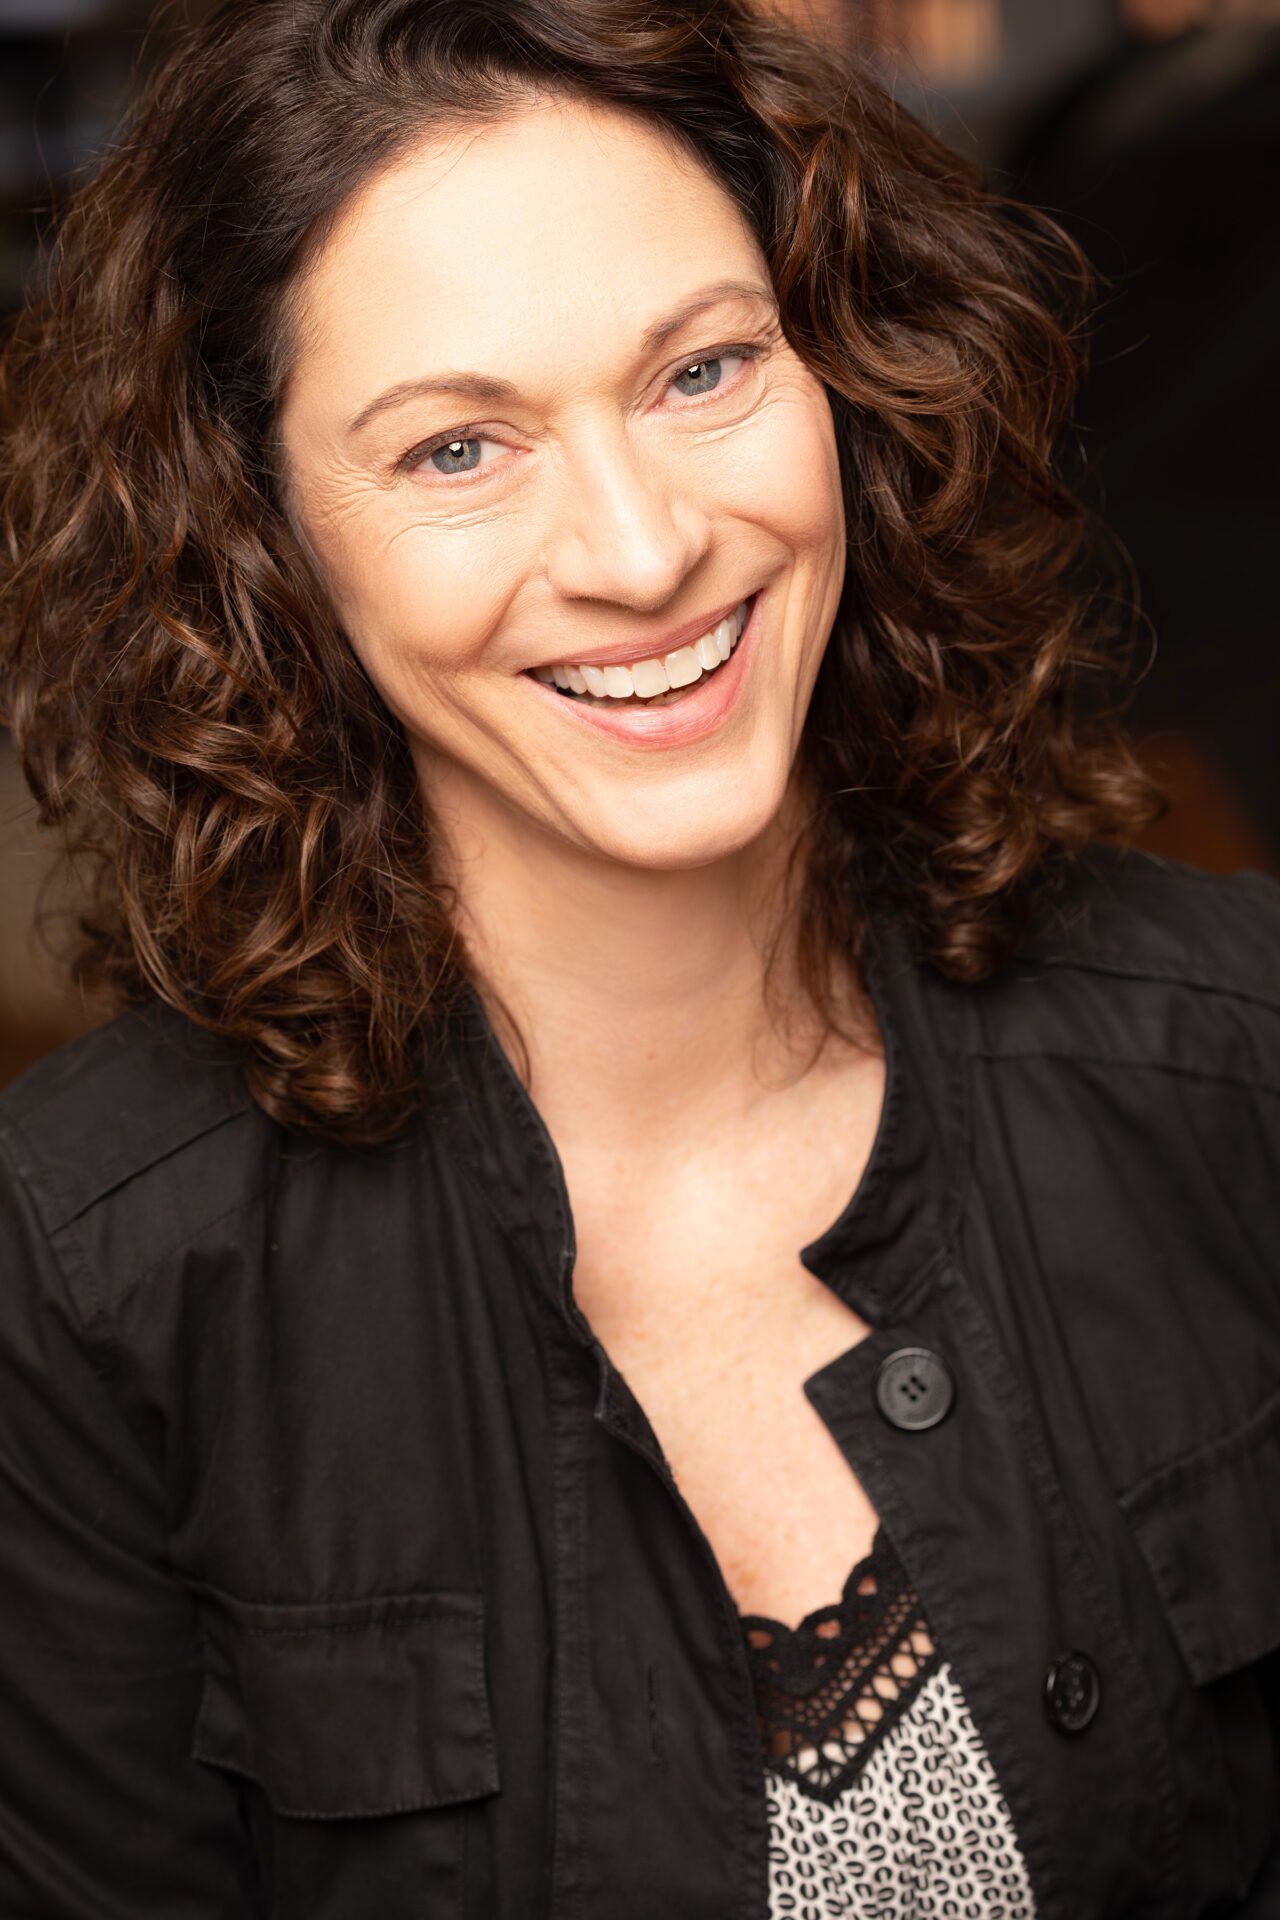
{"x":1072,"y":1692}
{"x":914,"y":1388}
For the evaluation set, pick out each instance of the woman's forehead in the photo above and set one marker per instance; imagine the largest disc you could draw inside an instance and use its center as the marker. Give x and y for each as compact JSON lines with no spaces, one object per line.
{"x":561,"y":223}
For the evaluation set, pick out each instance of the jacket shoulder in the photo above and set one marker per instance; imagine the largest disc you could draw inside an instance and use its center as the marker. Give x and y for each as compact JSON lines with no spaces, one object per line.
{"x":1123,"y":912}
{"x":1134,"y":960}
{"x":104,"y":1109}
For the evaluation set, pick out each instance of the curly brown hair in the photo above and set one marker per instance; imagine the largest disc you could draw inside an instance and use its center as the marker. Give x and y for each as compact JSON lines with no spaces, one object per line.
{"x":190,"y":714}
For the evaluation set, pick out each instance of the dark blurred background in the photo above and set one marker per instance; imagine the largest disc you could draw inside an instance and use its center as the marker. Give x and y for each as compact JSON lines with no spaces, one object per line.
{"x":1149,"y":128}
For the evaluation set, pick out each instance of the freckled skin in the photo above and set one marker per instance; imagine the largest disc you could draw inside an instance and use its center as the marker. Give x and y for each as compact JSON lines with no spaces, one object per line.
{"x":608,"y":498}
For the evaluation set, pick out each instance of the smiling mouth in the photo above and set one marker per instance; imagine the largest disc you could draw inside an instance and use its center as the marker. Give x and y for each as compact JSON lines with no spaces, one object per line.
{"x":661,"y":681}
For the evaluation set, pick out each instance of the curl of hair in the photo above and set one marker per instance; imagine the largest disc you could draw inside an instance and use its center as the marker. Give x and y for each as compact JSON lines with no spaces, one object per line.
{"x":187,"y":710}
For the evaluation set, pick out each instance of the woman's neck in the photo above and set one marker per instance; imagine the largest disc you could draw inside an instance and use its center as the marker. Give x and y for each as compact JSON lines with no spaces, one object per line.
{"x":640,"y":993}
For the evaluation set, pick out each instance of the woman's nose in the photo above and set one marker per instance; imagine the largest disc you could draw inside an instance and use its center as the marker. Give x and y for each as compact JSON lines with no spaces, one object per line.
{"x":629,"y":524}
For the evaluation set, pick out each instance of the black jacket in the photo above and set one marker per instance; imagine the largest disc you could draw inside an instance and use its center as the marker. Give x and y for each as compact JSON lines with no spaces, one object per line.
{"x":343,"y":1577}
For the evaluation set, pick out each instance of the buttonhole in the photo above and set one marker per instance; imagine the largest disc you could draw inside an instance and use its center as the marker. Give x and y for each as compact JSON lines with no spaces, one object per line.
{"x":657,"y":1747}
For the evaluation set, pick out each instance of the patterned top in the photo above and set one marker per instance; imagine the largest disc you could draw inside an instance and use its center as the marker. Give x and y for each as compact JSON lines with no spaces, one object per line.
{"x":881,"y":1798}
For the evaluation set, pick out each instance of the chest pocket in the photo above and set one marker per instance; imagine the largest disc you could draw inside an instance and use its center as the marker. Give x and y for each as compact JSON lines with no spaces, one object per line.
{"x":1208,"y":1526}
{"x":366,"y":1727}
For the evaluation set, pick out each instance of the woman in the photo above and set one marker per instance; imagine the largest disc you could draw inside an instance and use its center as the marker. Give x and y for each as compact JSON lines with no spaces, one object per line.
{"x":662,"y":1300}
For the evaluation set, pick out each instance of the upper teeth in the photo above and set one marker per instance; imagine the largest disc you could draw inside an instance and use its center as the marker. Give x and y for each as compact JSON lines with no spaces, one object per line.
{"x":647,"y":677}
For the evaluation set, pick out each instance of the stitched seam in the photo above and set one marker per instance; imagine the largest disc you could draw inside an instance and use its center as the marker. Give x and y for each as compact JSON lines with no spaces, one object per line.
{"x":207,"y":1112}
{"x":1127,"y":1061}
{"x":210,"y":1106}
{"x":1127,"y":970}
{"x":882,"y":1155}
{"x":1203,"y":1462}
{"x":1196,"y":1641}
{"x":480,"y":1683}
{"x":958,"y":1016}
{"x":909,"y":1285}
{"x":506,"y":1226}
{"x":188,"y":1240}
{"x":528,"y":1122}
{"x":734,"y":1654}
{"x":1118,"y":967}
{"x":503,"y":1078}
{"x":417,"y":1804}
{"x":1148,"y":1728}
{"x":657,"y":1743}
{"x":130,"y":1047}
{"x":569,"y":1716}
{"x":418,"y":1596}
{"x":103,"y":1352}
{"x":407,"y":1619}
{"x":965,"y":1655}
{"x":425,"y":1609}
{"x":206,"y":1667}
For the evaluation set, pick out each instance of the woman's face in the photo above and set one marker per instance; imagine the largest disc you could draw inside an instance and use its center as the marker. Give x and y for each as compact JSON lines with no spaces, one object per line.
{"x":527,"y":427}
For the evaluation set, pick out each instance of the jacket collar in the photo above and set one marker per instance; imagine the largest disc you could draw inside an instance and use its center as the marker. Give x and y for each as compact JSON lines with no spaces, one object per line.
{"x":881,"y":1250}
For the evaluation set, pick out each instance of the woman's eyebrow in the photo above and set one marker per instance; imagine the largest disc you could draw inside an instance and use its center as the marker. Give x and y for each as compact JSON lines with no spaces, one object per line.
{"x":492,"y":390}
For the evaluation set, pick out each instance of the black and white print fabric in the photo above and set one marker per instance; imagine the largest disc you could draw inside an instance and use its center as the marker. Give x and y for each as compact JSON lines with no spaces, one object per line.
{"x":881,"y":1799}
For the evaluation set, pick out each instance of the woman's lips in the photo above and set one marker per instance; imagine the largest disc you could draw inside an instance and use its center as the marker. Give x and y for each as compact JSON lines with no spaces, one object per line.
{"x":700,"y":710}
{"x":625,"y":654}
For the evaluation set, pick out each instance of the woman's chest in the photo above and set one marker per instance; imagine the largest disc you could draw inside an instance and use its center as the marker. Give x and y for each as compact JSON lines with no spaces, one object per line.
{"x":689,"y":1273}
{"x":715,"y":1335}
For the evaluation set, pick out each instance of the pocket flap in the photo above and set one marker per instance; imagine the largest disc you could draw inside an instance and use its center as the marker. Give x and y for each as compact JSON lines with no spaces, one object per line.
{"x":349,"y":1708}
{"x":1209,"y":1529}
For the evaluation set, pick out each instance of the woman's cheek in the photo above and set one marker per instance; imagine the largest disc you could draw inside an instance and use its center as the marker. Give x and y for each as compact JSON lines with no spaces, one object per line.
{"x":786,"y":474}
{"x":411,"y":615}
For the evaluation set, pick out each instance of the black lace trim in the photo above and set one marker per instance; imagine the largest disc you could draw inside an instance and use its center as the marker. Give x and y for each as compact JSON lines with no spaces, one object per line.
{"x":830,"y":1689}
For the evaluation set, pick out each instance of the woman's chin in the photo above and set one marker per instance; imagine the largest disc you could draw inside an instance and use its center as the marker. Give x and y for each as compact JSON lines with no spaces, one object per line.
{"x":671,"y":839}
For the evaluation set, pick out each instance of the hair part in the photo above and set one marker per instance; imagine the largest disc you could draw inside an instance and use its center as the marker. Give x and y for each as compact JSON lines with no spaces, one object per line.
{"x":189,"y":714}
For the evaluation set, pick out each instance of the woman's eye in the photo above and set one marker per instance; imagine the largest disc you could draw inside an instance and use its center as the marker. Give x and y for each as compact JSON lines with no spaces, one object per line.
{"x":707,"y":375}
{"x":456,"y":453}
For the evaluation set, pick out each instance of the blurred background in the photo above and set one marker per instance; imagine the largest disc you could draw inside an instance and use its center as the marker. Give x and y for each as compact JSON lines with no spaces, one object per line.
{"x":1149,"y":128}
